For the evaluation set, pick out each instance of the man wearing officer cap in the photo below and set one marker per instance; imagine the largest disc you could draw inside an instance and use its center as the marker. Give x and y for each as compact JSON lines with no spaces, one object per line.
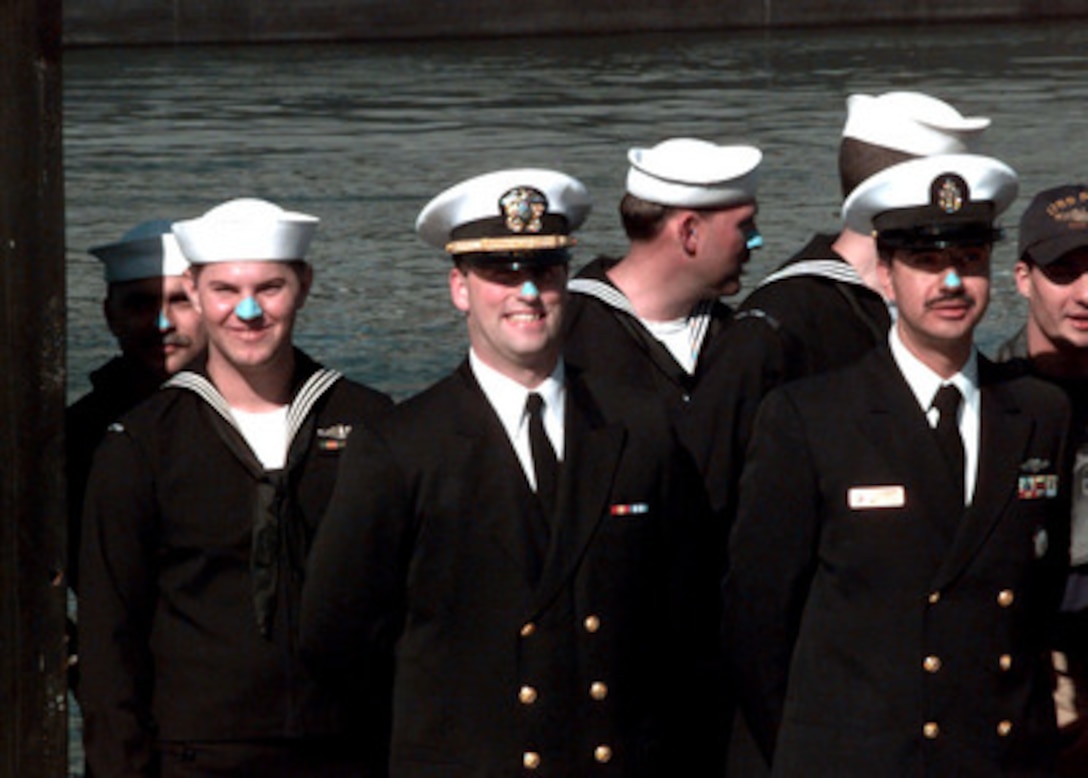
{"x":198,"y":517}
{"x":1052,"y":274}
{"x":902,"y":535}
{"x":823,"y":308}
{"x":521,"y":540}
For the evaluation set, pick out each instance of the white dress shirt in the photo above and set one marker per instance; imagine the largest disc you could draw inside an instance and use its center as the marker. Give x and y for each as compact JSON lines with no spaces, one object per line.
{"x":508,"y":398}
{"x":925,"y":383}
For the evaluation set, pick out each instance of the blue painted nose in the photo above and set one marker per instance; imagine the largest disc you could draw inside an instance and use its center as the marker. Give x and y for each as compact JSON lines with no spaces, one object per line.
{"x":163,"y":322}
{"x":248,"y":309}
{"x":755,"y":240}
{"x":528,"y":289}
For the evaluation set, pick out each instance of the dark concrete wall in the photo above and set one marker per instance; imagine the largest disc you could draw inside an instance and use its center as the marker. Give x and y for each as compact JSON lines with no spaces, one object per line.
{"x":91,"y":22}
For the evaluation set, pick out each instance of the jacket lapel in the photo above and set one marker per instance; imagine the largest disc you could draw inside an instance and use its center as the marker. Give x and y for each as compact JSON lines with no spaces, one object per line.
{"x":897,"y":425}
{"x":593,"y":449}
{"x":1004,"y":436}
{"x":485,"y":463}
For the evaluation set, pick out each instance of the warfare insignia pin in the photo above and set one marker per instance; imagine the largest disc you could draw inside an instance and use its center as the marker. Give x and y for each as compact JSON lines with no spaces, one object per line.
{"x":949,"y":192}
{"x":333,"y":438}
{"x":1034,"y":465}
{"x":523,"y":208}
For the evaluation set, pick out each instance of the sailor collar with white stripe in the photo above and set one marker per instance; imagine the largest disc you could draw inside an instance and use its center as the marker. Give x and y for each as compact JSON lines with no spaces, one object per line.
{"x":831,"y":269}
{"x":319,"y":382}
{"x":699,"y":319}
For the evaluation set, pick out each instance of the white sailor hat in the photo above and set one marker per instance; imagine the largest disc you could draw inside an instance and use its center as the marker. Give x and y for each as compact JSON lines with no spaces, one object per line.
{"x":933,"y":202}
{"x":246,"y":229}
{"x":693,"y":173}
{"x":148,"y":250}
{"x":911,"y":122}
{"x":522,"y":214}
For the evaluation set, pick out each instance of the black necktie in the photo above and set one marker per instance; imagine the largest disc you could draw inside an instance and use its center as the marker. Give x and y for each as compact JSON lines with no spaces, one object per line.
{"x":545,"y":464}
{"x":947,"y":403}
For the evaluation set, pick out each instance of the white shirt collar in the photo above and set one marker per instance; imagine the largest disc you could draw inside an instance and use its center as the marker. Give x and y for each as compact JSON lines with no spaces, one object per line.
{"x":924,"y":382}
{"x":508,"y":397}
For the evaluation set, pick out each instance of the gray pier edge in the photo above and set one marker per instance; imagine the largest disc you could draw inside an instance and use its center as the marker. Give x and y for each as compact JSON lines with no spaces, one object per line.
{"x":143,"y":22}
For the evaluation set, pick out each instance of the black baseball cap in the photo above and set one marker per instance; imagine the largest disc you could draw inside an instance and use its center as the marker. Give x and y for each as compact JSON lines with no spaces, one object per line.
{"x":1055,"y":223}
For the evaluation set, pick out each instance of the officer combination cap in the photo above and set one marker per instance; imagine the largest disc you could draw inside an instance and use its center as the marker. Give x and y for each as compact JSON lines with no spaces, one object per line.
{"x":913,"y":123}
{"x":1054,"y":224}
{"x":148,"y":250}
{"x":246,"y":229}
{"x":693,"y":173}
{"x":933,"y":202}
{"x":507,"y":216}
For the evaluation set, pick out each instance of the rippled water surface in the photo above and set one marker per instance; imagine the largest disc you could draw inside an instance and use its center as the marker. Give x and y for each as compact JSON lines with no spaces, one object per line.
{"x":364,"y":135}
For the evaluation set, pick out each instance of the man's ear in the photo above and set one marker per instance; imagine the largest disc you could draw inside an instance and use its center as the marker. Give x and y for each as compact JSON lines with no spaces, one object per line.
{"x":687,"y":232}
{"x":884,"y":277}
{"x":107,"y":313}
{"x":459,"y":289}
{"x":188,"y":278}
{"x":306,"y":281}
{"x":1022,"y":273}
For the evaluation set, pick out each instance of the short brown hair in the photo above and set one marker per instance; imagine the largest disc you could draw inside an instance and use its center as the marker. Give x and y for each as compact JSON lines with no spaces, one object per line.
{"x":858,"y":160}
{"x":642,"y":220}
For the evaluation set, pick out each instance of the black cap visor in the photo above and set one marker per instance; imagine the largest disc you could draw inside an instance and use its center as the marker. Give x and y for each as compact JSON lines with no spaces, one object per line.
{"x":514,"y":260}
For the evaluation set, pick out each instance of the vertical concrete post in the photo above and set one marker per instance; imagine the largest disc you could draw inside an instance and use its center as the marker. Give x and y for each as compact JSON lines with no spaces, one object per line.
{"x":33,"y":708}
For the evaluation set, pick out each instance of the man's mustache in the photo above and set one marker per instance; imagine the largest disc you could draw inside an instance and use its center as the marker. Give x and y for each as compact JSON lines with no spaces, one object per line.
{"x":174,"y":339}
{"x":958,"y":297}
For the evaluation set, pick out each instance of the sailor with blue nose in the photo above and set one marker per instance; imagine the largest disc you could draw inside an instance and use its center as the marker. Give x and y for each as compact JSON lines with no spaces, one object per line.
{"x":223,"y":475}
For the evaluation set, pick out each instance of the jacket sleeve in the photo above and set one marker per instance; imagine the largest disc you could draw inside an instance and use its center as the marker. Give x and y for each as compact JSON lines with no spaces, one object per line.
{"x":745,"y":366}
{"x":116,"y":607}
{"x":772,"y":559}
{"x":700,"y":707}
{"x":353,"y":597}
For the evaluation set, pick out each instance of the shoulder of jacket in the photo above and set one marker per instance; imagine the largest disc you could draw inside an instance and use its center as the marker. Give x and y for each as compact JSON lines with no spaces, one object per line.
{"x":153,"y":415}
{"x":368,"y":399}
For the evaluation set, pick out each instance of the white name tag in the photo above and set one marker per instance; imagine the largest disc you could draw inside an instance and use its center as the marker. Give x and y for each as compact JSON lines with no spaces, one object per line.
{"x":868,"y":497}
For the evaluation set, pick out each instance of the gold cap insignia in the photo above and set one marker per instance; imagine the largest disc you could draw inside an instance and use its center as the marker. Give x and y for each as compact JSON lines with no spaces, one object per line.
{"x":523,"y":208}
{"x":949,"y":192}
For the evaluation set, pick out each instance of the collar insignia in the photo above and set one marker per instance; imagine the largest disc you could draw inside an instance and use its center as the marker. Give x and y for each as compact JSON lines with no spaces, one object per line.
{"x":333,"y":438}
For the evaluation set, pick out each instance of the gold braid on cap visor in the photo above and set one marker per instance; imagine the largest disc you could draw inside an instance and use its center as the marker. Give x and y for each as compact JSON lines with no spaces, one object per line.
{"x":509,"y":243}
